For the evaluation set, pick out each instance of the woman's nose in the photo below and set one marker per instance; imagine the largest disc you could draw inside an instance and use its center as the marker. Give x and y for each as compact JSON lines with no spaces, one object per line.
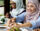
{"x":29,"y":8}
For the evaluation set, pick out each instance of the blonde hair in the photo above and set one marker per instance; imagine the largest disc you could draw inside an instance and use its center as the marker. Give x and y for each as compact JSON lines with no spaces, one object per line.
{"x":12,"y":2}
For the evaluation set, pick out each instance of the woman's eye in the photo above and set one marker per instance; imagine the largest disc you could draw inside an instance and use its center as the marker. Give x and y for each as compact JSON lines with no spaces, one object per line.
{"x":31,"y":6}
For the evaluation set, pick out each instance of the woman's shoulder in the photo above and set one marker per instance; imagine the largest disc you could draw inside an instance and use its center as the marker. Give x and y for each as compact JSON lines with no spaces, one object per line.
{"x":22,"y":10}
{"x":39,"y":18}
{"x":23,"y":13}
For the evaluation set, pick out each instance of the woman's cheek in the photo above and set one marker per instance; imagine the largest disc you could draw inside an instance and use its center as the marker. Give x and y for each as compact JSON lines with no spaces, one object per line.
{"x":27,"y":8}
{"x":32,"y":9}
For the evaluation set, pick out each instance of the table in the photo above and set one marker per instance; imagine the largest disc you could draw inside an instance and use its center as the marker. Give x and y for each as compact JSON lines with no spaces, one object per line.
{"x":3,"y":28}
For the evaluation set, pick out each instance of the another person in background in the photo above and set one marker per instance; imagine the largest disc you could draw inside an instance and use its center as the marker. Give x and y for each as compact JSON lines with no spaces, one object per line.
{"x":7,"y":17}
{"x":17,"y":7}
{"x":12,"y":5}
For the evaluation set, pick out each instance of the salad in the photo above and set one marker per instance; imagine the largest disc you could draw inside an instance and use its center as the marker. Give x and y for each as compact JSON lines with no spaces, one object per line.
{"x":14,"y":29}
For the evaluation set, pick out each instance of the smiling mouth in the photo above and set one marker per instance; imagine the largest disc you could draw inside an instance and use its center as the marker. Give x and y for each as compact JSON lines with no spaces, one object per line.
{"x":29,"y":10}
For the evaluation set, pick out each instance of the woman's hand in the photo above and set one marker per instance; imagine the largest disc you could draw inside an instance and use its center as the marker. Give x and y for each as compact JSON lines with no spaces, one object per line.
{"x":11,"y":21}
{"x":16,"y":25}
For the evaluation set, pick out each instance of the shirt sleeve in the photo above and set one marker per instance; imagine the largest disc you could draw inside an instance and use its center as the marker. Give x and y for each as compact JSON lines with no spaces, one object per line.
{"x":35,"y":23}
{"x":20,"y":17}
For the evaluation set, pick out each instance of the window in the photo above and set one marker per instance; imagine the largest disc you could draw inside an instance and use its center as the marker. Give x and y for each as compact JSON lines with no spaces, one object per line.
{"x":1,"y":8}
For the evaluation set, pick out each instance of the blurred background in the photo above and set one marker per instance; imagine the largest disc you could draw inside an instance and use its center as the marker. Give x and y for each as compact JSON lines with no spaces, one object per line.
{"x":1,"y":2}
{"x":1,"y":8}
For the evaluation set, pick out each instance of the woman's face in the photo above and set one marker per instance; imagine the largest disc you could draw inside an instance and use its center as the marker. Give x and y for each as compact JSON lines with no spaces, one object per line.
{"x":13,"y":5}
{"x":7,"y":15}
{"x":31,"y":7}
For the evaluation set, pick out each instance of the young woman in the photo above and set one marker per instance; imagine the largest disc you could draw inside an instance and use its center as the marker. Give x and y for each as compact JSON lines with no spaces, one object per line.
{"x":32,"y":18}
{"x":17,"y":7}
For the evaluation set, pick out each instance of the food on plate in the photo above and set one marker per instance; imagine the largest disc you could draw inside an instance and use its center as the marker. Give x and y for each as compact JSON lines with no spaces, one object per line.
{"x":14,"y":29}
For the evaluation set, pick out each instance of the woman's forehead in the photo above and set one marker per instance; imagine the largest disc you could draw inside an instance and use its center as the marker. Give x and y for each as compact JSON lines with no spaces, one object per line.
{"x":30,"y":3}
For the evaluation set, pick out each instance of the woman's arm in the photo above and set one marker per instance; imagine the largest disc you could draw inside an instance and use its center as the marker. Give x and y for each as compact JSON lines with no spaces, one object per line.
{"x":20,"y":18}
{"x":28,"y":24}
{"x":10,"y":21}
{"x":24,"y":25}
{"x":31,"y":24}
